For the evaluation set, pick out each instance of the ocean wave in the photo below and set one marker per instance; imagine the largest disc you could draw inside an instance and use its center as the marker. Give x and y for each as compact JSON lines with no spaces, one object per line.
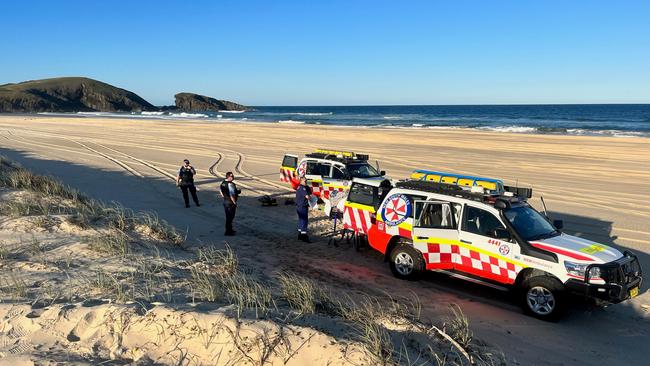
{"x":392,"y":117}
{"x":291,"y":122}
{"x":516,"y":129}
{"x":188,"y":115}
{"x":145,"y":113}
{"x":310,"y":113}
{"x":95,"y":113}
{"x":417,"y":125}
{"x":220,"y":111}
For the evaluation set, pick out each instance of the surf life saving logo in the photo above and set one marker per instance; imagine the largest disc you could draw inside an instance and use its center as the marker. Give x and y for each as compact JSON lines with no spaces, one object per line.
{"x":504,"y":249}
{"x":396,"y":209}
{"x":302,"y":169}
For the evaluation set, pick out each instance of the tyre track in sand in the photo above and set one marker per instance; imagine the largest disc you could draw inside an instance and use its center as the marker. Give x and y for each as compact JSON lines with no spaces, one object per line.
{"x":214,"y":170}
{"x":143,"y":162}
{"x":239,"y":169}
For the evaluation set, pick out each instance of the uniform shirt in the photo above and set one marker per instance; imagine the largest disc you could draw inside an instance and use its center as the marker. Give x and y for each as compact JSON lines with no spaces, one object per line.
{"x":186,"y":180}
{"x":232,"y":192}
{"x":301,"y":196}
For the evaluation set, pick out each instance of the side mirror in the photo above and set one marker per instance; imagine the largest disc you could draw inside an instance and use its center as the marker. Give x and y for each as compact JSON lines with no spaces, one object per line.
{"x":501,"y":233}
{"x":382,"y":173}
{"x":559,"y":224}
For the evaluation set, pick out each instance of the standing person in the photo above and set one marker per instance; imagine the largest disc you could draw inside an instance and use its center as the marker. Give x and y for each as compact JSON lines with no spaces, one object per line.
{"x":303,"y":194}
{"x":230,"y":195}
{"x":185,"y":180}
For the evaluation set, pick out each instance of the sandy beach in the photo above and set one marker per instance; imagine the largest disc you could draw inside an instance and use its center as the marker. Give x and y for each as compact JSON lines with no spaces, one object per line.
{"x":595,"y":184}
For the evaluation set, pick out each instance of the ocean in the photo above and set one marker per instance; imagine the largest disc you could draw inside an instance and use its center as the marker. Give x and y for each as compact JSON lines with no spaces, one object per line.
{"x":622,"y":120}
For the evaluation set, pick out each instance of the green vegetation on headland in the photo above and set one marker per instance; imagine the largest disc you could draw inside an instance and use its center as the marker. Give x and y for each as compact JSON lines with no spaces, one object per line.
{"x":79,"y":94}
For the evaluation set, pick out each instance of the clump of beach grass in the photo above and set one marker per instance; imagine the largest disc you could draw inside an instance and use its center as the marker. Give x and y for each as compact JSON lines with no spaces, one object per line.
{"x":113,"y":242}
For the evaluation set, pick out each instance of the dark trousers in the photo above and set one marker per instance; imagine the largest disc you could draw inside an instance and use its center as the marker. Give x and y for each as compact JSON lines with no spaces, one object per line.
{"x":186,"y":197}
{"x":230,"y":216}
{"x":303,"y":219}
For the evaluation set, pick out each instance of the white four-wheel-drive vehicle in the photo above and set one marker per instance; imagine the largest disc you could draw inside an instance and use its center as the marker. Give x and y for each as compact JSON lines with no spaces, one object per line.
{"x":328,"y":171}
{"x":480,"y":230}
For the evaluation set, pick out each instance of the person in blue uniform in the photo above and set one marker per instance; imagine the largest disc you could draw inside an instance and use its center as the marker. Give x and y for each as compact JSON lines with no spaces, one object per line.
{"x":185,"y":180}
{"x":303,"y":194}
{"x":230,"y":195}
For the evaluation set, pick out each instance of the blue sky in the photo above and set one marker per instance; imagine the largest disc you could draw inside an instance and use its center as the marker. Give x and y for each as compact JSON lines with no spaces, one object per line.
{"x":339,"y":52}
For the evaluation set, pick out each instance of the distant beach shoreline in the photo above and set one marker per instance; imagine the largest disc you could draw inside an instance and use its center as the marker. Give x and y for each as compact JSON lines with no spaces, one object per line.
{"x":614,"y":124}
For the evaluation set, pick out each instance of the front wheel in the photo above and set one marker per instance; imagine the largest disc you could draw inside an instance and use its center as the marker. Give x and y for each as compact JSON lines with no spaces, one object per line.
{"x":406,"y":262}
{"x":543,"y":297}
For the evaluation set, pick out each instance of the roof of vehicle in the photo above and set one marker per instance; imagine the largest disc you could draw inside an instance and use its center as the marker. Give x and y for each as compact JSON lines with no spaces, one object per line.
{"x":374,"y":181}
{"x":500,"y":201}
{"x":345,"y":157}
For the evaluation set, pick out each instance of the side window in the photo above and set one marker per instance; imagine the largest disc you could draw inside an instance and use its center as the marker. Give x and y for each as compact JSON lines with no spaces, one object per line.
{"x":314,"y":168}
{"x":337,"y":173}
{"x":414,"y":198}
{"x":290,"y":161}
{"x":457,"y":211}
{"x":361,"y":193}
{"x":480,"y":222}
{"x":434,"y":215}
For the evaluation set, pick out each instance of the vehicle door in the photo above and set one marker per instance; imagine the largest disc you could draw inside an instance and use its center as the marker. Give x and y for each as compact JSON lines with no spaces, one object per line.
{"x":338,"y":181}
{"x":314,"y":172}
{"x":485,"y":246}
{"x":435,"y":232}
{"x":360,"y":207}
{"x":288,"y":168}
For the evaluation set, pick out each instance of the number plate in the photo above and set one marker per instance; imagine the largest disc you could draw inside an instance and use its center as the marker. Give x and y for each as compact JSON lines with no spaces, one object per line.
{"x":634,"y":292}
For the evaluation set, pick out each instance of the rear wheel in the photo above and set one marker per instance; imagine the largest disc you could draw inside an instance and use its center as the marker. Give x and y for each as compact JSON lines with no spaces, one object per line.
{"x":406,"y":262}
{"x":543,"y":297}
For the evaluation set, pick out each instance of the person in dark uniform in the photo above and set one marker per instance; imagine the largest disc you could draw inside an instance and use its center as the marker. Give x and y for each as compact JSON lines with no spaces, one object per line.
{"x":230,"y":194}
{"x":303,"y":194}
{"x":185,"y":181}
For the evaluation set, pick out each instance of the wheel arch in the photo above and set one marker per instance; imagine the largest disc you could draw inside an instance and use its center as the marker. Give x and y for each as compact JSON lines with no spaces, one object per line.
{"x":529,"y":272}
{"x":393,"y":242}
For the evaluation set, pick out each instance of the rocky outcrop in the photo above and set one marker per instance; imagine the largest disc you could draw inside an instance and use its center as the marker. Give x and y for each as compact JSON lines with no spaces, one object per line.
{"x":195,"y":102}
{"x":69,"y":94}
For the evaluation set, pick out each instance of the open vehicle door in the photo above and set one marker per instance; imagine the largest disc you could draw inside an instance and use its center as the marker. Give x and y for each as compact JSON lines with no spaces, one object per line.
{"x":314,"y":170}
{"x":435,"y":233}
{"x":337,"y":181}
{"x":288,"y":172}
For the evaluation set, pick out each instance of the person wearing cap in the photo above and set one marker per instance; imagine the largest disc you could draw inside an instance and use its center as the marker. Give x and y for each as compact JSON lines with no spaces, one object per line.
{"x":303,"y":194}
{"x":230,"y":195}
{"x":185,"y":181}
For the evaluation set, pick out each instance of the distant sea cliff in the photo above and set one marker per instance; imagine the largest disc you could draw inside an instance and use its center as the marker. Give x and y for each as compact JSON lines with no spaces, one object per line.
{"x":80,"y":94}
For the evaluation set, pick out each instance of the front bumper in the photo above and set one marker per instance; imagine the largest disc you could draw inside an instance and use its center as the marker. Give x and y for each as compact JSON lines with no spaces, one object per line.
{"x":621,"y":278}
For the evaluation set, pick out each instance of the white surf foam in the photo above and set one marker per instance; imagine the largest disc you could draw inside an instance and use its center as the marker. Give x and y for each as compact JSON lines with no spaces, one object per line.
{"x":292,"y":122}
{"x":188,"y":115}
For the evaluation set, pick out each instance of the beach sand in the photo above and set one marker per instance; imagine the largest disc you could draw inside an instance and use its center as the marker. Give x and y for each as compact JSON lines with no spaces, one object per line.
{"x":596,"y":184}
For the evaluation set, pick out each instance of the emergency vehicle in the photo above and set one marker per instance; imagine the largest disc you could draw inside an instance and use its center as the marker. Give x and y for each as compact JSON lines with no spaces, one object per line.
{"x":480,"y":230}
{"x":328,"y":171}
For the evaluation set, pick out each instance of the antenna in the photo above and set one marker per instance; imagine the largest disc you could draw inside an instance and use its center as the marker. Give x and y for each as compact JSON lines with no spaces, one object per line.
{"x":544,"y":204}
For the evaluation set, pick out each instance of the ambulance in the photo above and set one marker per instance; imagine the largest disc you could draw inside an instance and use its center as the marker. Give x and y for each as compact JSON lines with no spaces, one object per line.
{"x":328,"y":171}
{"x":483,"y":231}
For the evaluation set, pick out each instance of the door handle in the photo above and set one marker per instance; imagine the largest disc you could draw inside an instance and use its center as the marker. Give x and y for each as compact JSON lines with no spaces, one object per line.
{"x":422,"y":237}
{"x":465,"y":241}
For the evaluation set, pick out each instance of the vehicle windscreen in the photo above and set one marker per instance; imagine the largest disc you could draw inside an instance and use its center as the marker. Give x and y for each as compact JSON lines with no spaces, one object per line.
{"x":362,"y":170}
{"x":529,"y":223}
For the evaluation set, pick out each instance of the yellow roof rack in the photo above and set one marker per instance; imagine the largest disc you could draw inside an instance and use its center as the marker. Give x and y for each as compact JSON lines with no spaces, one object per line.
{"x":347,"y":154}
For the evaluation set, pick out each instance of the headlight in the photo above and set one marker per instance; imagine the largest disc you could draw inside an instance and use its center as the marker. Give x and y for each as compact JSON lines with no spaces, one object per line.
{"x":576,"y":269}
{"x":594,"y":272}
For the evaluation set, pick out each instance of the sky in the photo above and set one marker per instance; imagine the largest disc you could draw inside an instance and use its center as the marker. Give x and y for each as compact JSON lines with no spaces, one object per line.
{"x":339,"y":52}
